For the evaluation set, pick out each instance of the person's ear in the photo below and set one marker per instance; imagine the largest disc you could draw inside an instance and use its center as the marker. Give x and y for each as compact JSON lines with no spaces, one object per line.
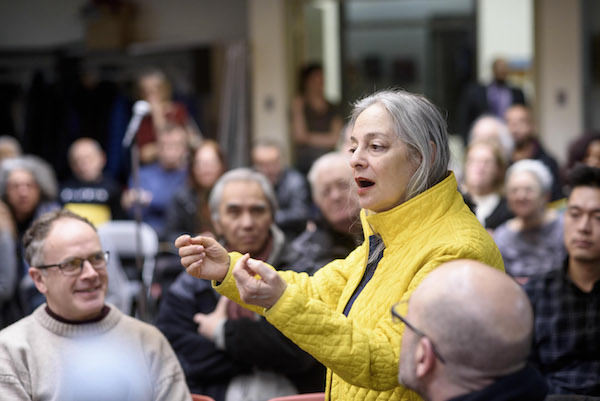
{"x":424,"y":357}
{"x":39,"y":279}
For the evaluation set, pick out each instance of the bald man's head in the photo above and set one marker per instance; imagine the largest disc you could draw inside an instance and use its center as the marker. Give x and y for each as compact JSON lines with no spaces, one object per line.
{"x":479,"y":317}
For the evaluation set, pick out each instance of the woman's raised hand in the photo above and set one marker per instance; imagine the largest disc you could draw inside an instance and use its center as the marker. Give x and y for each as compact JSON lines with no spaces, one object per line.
{"x":257,"y":283}
{"x":203,"y":257}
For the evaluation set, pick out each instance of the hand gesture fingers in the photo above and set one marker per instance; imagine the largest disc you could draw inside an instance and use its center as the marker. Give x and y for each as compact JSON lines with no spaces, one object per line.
{"x":257,"y":283}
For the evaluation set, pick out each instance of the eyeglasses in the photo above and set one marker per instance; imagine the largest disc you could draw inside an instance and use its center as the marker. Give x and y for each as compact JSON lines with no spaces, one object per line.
{"x":398,"y":317}
{"x":73,"y":267}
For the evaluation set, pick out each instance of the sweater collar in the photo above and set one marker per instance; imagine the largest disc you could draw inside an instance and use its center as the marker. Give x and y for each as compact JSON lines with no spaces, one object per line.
{"x":77,"y":330}
{"x":410,"y":217}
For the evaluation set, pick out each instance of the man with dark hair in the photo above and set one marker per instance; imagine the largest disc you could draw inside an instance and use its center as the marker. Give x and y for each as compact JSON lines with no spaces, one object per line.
{"x":566,"y":302}
{"x":467,"y":334}
{"x":291,"y":189}
{"x":528,"y":146}
{"x":493,"y":98}
{"x":76,"y":346}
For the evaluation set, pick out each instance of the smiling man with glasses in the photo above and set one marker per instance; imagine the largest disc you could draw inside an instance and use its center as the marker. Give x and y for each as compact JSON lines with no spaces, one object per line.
{"x":76,"y":345}
{"x":467,"y":335}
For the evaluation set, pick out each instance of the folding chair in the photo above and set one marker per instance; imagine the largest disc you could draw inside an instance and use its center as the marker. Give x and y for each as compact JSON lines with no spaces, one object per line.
{"x":123,"y":235}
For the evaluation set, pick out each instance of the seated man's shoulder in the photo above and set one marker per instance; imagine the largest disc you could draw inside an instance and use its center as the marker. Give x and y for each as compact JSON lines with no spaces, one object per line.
{"x":17,"y":333}
{"x":546,"y":284}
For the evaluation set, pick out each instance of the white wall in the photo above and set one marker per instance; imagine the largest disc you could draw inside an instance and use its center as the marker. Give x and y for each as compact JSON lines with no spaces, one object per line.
{"x":559,"y":73}
{"x":266,"y":31}
{"x":504,"y":28}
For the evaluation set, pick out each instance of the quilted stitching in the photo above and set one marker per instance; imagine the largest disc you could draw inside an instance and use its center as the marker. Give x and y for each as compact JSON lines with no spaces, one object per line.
{"x":363,"y":349}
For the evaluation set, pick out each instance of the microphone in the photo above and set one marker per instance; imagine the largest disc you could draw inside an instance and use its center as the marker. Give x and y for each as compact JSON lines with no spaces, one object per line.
{"x":140,"y":109}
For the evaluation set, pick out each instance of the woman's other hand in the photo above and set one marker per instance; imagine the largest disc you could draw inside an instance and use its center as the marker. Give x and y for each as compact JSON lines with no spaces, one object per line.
{"x":257,"y":283}
{"x":203,"y":257}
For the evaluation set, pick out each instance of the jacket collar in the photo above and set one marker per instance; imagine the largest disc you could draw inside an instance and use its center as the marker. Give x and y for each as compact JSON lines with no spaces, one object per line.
{"x":405,"y":220}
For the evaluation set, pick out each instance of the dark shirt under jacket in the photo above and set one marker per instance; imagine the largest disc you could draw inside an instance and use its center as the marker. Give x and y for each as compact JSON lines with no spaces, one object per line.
{"x":523,"y":385}
{"x":566,"y":343}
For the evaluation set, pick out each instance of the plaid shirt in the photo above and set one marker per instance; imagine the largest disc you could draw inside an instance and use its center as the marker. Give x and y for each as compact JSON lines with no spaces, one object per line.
{"x":566,"y":342}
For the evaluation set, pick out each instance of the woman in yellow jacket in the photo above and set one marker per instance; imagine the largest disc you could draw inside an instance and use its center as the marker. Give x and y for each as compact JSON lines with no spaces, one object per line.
{"x":413,"y":220}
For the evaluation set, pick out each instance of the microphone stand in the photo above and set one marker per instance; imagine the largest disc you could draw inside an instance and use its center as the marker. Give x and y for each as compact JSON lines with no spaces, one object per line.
{"x":140,"y":109}
{"x":142,"y":301}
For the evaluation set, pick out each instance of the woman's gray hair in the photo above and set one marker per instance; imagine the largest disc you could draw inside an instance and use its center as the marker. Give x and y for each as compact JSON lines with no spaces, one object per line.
{"x":42,"y":173}
{"x":539,"y":170}
{"x":421,"y":126}
{"x":240,"y":174}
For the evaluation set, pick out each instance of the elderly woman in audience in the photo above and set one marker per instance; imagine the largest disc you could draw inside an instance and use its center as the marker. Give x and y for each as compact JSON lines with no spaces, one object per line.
{"x":413,"y":219}
{"x":483,"y":183}
{"x":29,"y":189}
{"x":491,"y":128}
{"x":531,"y":242}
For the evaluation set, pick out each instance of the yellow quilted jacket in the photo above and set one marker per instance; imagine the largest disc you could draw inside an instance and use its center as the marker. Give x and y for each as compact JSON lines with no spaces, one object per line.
{"x":361,"y":351}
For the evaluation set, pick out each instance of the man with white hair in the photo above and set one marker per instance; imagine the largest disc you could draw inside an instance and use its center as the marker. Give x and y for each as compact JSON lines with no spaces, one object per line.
{"x":337,"y":232}
{"x":467,"y":335}
{"x":225,"y":350}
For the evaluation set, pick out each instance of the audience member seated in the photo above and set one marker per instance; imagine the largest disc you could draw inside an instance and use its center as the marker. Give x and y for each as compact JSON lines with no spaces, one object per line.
{"x":483,"y":183}
{"x":586,"y":150}
{"x":531,"y":242}
{"x":527,"y":146}
{"x":9,"y":147}
{"x":76,"y":347}
{"x":189,"y":211}
{"x":566,"y":302}
{"x":154,"y":87}
{"x":10,"y":310}
{"x":316,"y":123}
{"x":291,"y":189}
{"x":158,"y":182}
{"x":223,"y":348}
{"x":467,"y":336}
{"x":89,"y":192}
{"x":490,"y":128}
{"x":29,"y":189}
{"x":338,"y":230}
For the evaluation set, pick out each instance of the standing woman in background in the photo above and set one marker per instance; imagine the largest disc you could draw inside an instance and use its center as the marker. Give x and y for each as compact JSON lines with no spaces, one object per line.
{"x":316,"y":123}
{"x":413,"y":219}
{"x":155,"y":88}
